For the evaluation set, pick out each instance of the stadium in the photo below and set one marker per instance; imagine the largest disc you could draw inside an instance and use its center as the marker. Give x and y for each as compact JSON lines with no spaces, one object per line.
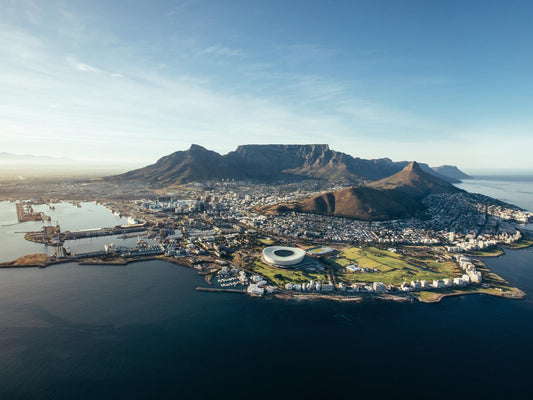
{"x":283,"y":256}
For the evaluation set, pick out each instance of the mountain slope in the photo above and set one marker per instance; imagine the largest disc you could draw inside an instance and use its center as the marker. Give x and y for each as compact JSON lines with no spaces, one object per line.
{"x":415,"y":182}
{"x":451,"y":171}
{"x":398,"y":196}
{"x":266,"y":163}
{"x":432,"y":171}
{"x":197,"y":163}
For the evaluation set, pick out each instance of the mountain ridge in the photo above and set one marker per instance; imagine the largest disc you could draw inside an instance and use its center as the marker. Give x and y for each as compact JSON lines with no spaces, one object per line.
{"x":397,"y":196}
{"x":267,"y":163}
{"x":451,"y":171}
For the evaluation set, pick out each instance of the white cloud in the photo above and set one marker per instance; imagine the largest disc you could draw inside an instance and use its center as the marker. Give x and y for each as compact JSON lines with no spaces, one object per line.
{"x":221,"y":51}
{"x":81,"y":66}
{"x":130,"y":106}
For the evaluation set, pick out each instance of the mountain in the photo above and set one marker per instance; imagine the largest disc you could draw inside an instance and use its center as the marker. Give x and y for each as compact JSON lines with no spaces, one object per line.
{"x":451,"y":171}
{"x":265,"y":163}
{"x":398,"y":196}
{"x":432,"y":171}
{"x":194,"y":164}
{"x":415,"y":182}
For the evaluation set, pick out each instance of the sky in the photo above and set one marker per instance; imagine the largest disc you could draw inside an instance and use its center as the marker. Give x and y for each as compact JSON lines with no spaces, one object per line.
{"x":442,"y":82}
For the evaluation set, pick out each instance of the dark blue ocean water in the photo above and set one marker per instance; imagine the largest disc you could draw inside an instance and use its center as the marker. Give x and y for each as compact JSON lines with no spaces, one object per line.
{"x":142,"y":331}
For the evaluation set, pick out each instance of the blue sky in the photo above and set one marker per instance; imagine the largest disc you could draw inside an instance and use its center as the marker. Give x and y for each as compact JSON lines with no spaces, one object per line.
{"x":130,"y":81}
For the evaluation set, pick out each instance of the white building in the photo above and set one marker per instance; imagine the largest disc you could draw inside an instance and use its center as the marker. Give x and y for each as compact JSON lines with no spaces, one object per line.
{"x":475,"y":276}
{"x":379,"y":287}
{"x":458,"y":281}
{"x":255,"y":290}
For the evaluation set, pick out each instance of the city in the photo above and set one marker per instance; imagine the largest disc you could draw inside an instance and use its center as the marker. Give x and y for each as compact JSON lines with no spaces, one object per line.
{"x":216,"y":227}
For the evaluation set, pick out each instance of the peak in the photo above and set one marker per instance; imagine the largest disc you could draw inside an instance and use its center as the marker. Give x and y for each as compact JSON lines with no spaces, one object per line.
{"x":197,"y":147}
{"x":413,"y":166}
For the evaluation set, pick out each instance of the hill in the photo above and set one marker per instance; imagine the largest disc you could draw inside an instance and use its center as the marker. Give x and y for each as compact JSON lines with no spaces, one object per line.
{"x":265,"y":163}
{"x":398,"y":196}
{"x":415,"y":182}
{"x":451,"y":171}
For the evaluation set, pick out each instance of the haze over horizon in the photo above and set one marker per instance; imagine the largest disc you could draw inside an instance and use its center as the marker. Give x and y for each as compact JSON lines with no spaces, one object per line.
{"x":441,"y":83}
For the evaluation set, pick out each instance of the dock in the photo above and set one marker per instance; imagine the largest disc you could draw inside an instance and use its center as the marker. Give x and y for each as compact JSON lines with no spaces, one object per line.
{"x":208,"y":289}
{"x":25,"y":213}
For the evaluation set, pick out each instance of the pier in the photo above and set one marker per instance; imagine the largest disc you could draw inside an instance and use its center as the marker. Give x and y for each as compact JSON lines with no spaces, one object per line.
{"x":25,"y":213}
{"x":117,"y":230}
{"x":207,"y":289}
{"x":52,"y":235}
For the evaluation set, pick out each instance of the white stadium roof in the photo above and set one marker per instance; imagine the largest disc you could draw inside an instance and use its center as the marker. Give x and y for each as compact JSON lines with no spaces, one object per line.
{"x":280,"y":255}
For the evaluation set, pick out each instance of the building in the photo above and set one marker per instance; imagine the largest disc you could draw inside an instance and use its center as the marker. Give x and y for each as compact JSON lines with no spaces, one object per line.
{"x":438,"y":284}
{"x":475,"y":276}
{"x":283,"y":256}
{"x":255,"y":290}
{"x":458,"y":281}
{"x":378,"y":287}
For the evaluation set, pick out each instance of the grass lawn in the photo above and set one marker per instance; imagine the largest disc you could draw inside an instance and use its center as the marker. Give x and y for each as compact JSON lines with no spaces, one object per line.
{"x":521,"y":244}
{"x":487,"y":253}
{"x":434,"y":296}
{"x":318,"y":250}
{"x":266,"y":242}
{"x":281,"y":276}
{"x":392,"y":268}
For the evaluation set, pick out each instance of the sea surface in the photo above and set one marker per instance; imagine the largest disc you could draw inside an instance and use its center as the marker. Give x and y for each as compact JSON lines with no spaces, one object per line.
{"x":514,"y":189}
{"x":142,"y":331}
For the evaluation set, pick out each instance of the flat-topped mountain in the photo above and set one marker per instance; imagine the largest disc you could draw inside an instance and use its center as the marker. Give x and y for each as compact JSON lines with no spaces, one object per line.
{"x":266,"y":163}
{"x":398,"y":196}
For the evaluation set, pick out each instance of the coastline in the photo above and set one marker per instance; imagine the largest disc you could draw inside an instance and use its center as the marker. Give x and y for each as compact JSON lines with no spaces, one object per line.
{"x":436,"y":297}
{"x":502,"y":290}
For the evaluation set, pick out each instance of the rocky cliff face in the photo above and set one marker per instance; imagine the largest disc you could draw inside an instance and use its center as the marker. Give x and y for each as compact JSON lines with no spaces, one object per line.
{"x":265,"y":163}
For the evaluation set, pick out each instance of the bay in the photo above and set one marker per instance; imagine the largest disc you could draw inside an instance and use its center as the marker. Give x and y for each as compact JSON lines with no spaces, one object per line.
{"x":68,"y":216}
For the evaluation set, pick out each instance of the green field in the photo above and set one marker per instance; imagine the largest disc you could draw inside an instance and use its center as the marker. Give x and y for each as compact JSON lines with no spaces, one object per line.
{"x":281,"y":276}
{"x":392,"y":268}
{"x":521,"y":244}
{"x":266,"y":242}
{"x":432,"y":297}
{"x":318,"y":250}
{"x":488,"y":253}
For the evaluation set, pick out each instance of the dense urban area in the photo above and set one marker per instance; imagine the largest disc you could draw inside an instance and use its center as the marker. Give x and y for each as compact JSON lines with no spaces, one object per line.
{"x":216,"y":228}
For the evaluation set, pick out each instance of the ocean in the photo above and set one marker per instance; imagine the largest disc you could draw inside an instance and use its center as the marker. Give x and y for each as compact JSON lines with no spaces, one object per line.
{"x":143,"y":331}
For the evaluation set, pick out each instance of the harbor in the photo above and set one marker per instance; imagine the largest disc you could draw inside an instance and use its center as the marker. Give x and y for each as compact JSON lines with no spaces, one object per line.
{"x":26,"y":213}
{"x":70,"y":217}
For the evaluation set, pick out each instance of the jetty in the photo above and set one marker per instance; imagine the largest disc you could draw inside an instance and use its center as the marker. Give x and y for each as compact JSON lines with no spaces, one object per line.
{"x":25,"y":213}
{"x":208,"y":289}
